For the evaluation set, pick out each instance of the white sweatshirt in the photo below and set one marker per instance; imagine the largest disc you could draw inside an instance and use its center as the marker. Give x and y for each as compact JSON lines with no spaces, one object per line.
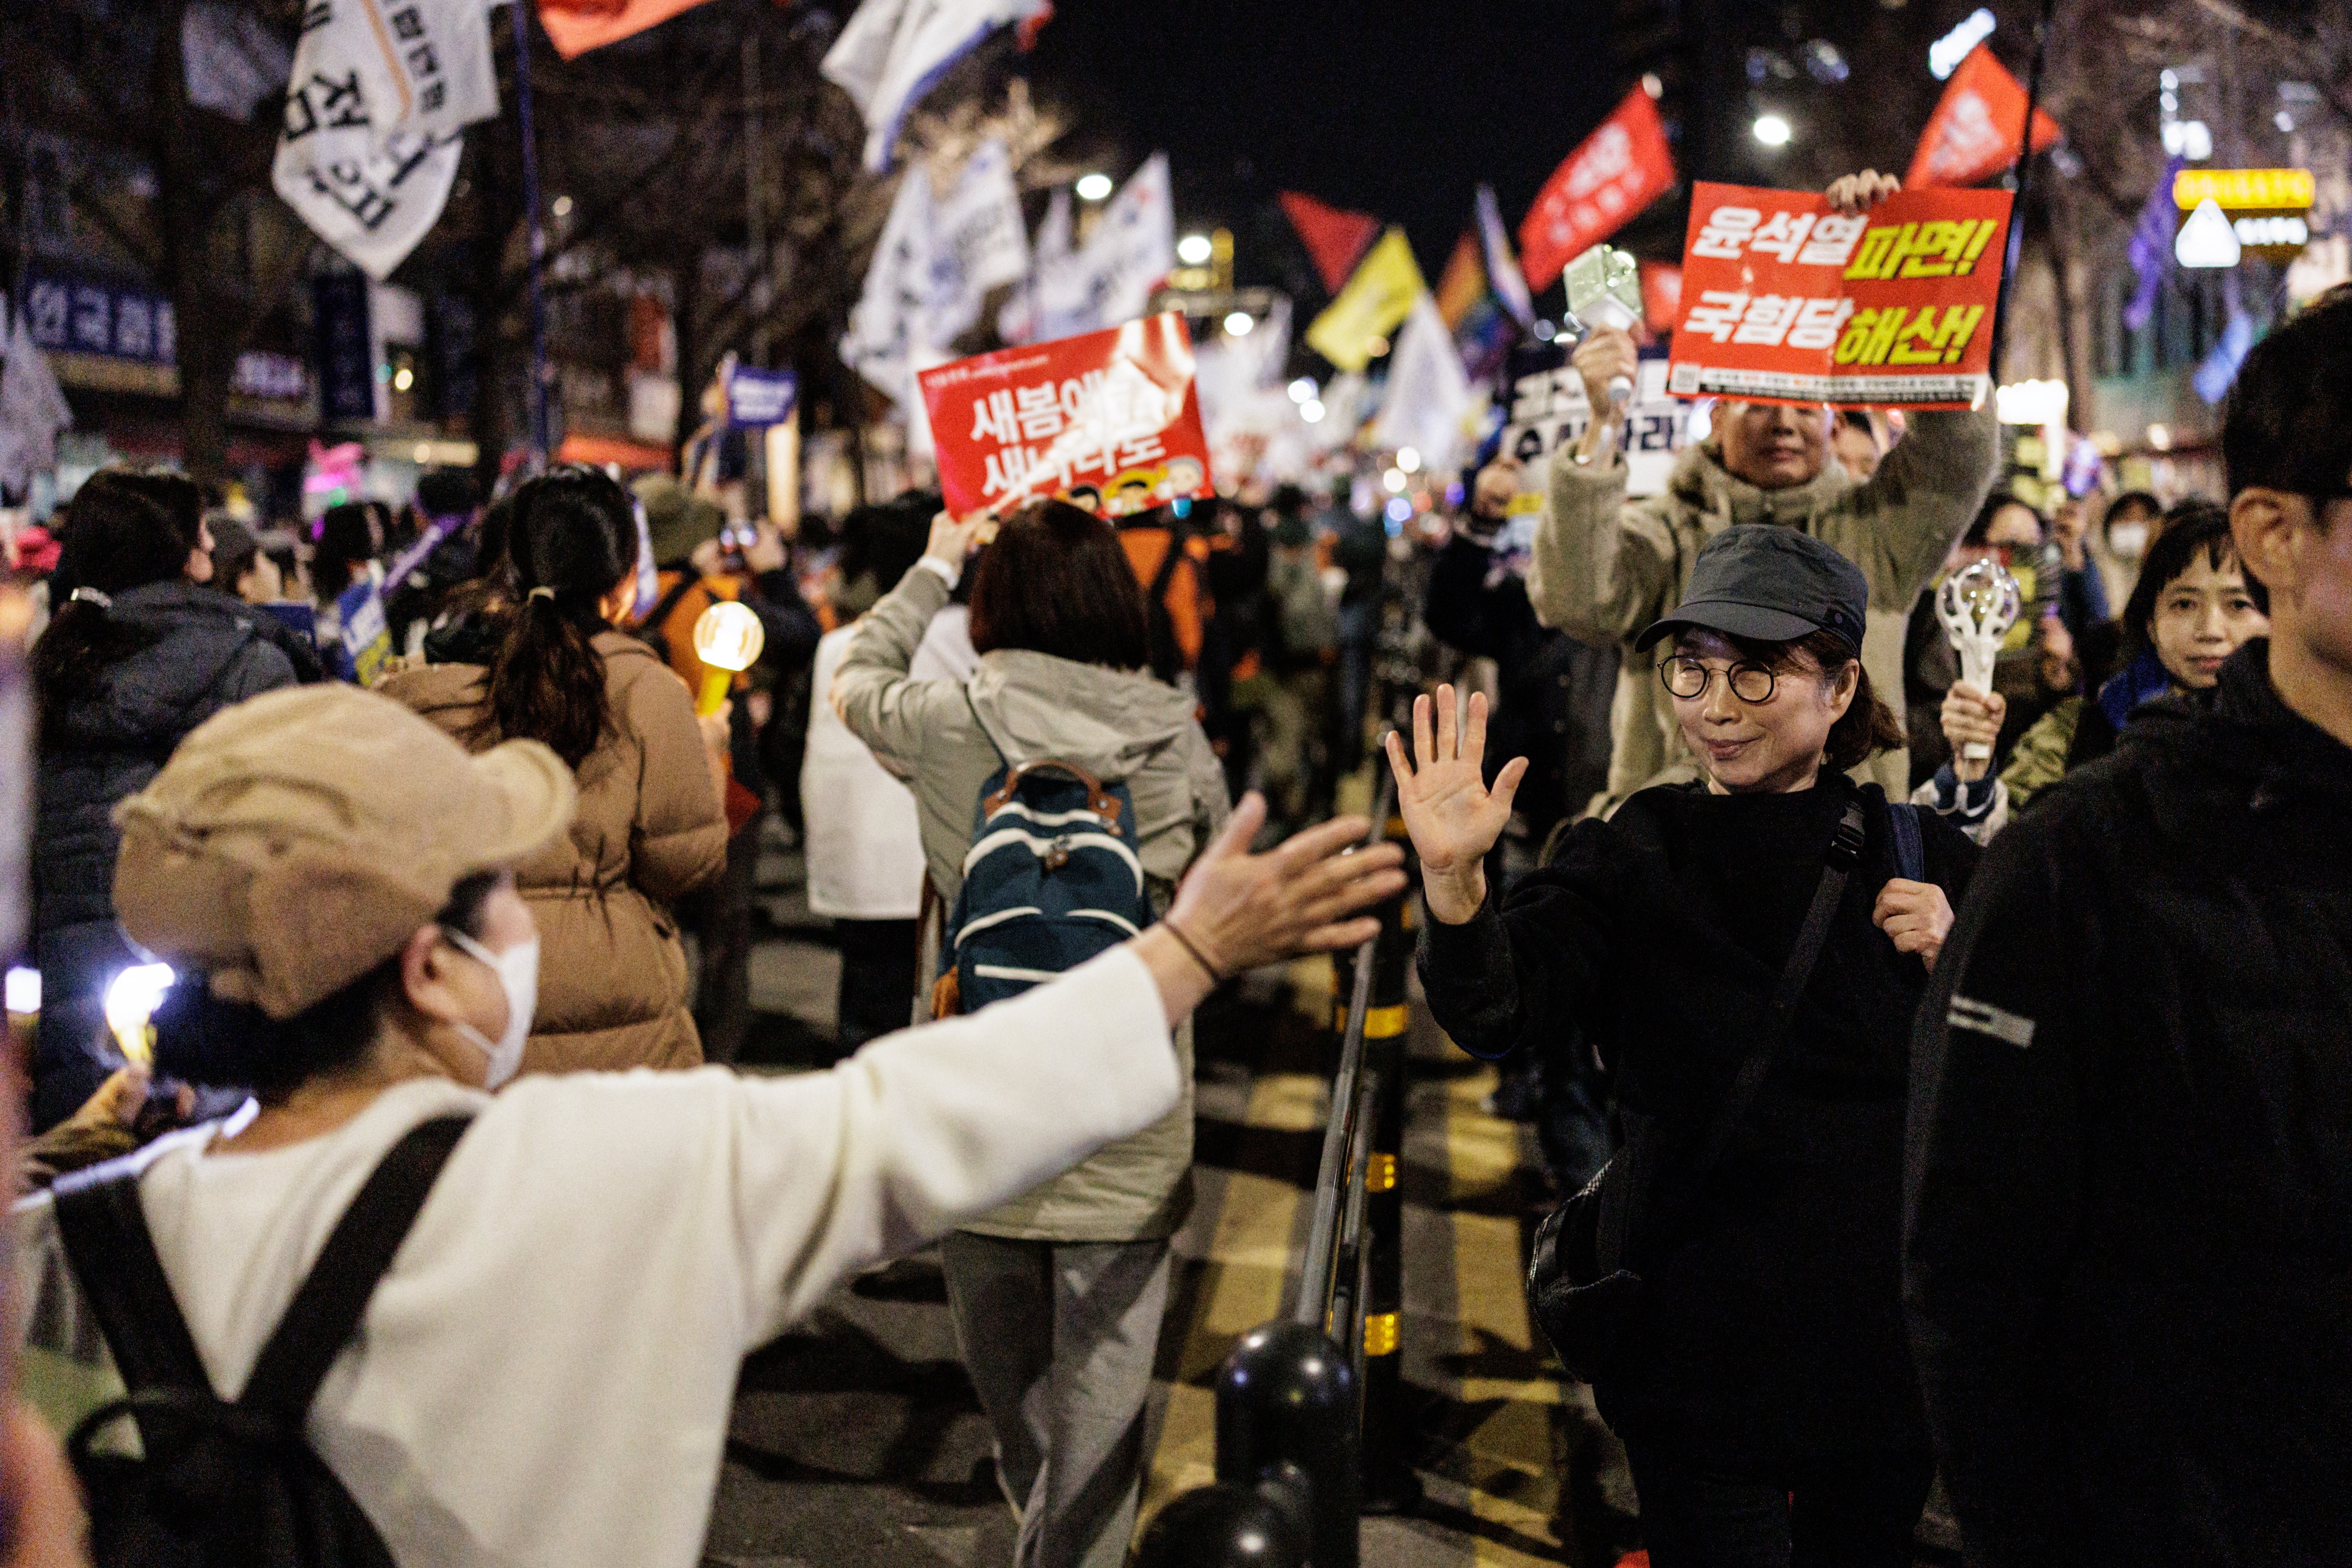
{"x":545,"y":1376}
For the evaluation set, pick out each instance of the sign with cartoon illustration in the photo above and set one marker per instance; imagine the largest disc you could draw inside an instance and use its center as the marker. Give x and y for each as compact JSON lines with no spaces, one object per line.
{"x":1109,"y":420}
{"x":1784,"y":300}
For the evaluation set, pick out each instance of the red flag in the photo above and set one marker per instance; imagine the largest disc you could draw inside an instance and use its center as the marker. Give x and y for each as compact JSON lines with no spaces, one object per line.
{"x":1662,"y":295}
{"x":1335,"y":239}
{"x":1973,"y":133}
{"x":1623,"y":167}
{"x":575,"y":27}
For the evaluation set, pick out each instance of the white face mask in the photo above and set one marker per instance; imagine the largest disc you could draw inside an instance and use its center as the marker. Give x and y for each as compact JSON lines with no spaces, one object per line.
{"x":518,"y":971}
{"x":2128,"y":540}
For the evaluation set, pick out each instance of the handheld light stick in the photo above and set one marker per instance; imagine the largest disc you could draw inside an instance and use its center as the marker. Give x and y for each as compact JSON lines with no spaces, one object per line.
{"x":728,"y":638}
{"x":1977,"y":604}
{"x":1604,"y":290}
{"x":132,"y":998}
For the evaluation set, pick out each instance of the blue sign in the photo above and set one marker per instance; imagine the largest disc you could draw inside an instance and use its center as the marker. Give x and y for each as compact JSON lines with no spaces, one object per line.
{"x":79,"y":316}
{"x":756,"y":398}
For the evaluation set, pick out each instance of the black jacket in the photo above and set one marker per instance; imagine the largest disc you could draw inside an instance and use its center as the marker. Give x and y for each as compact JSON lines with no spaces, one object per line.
{"x":1773,"y":1329}
{"x":2128,"y":1228}
{"x":1554,"y":691}
{"x":210,"y":650}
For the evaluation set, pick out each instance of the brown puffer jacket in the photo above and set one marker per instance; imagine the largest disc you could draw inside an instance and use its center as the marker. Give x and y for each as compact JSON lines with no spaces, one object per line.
{"x":612,"y":972}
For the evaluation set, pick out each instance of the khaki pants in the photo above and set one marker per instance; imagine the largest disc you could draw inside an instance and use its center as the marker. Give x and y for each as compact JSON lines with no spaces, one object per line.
{"x":1059,"y":1339}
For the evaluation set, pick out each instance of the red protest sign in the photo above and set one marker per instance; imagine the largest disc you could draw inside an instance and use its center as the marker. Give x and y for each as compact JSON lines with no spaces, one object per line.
{"x":1978,"y":122}
{"x":1109,"y":420}
{"x":1786,"y":301}
{"x":1622,"y":167}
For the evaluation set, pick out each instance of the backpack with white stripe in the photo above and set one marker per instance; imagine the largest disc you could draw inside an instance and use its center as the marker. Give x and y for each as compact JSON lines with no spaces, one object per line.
{"x":1052,"y":878}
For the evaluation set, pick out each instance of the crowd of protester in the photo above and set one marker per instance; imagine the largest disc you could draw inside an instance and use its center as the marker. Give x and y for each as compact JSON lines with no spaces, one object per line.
{"x":1937,"y":1079}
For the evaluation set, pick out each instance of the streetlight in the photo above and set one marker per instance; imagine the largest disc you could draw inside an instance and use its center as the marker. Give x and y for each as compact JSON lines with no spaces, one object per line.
{"x":1240,"y":323}
{"x":1093,"y":187}
{"x":1303,"y":390}
{"x":1772,"y":130}
{"x":1409,"y":459}
{"x":1193,"y":250}
{"x":1394,"y":480}
{"x":1311,"y":411}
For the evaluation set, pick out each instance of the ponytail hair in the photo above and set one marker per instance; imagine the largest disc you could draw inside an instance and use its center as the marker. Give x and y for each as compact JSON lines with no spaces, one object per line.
{"x":122,"y":530}
{"x":572,"y":540}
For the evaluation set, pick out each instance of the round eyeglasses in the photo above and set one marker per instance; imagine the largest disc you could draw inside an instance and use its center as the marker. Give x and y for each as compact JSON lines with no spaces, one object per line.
{"x":1689,"y":678}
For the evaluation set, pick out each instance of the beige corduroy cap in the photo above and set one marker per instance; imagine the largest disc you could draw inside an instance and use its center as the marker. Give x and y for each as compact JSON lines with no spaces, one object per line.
{"x":296,"y":841}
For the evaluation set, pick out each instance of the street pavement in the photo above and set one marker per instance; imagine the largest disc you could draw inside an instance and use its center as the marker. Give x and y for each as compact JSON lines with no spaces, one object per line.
{"x":856,"y":1437}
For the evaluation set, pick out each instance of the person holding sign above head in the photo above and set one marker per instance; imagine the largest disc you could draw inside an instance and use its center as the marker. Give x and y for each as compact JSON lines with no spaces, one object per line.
{"x":1604,"y":567}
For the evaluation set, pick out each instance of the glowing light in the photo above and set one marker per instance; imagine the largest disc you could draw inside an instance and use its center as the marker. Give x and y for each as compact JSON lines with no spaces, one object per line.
{"x":727,"y":637}
{"x":561,"y":207}
{"x":2206,"y":239}
{"x":1945,"y":55}
{"x":1409,"y":459}
{"x":1400,"y":510}
{"x":2032,"y":402}
{"x":2272,"y":231}
{"x":1093,"y":187}
{"x":1240,"y":323}
{"x":402,"y":379}
{"x":24,"y":990}
{"x":2160,"y":437}
{"x":2244,"y":190}
{"x":1395,"y":481}
{"x":1303,"y":390}
{"x":132,"y":998}
{"x":1544,"y":332}
{"x":1194,"y":250}
{"x":1311,"y":411}
{"x":1772,"y":130}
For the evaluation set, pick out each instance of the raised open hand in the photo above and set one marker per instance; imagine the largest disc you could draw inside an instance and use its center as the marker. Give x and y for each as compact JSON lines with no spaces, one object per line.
{"x":1453,"y":816}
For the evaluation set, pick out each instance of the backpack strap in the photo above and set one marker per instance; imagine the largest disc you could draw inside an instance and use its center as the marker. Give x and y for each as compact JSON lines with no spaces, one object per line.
{"x":326,"y":1310}
{"x":1910,"y":848}
{"x":649,"y":630}
{"x":112,"y":1252}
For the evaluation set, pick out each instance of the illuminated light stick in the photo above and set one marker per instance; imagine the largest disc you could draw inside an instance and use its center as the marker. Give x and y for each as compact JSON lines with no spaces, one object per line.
{"x":1977,"y":604}
{"x":728,"y":638}
{"x":1604,"y":290}
{"x":132,"y":998}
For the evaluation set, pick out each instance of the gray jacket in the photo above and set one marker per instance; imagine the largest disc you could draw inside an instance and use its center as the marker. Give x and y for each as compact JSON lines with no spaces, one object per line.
{"x":1605,"y":567}
{"x":946,"y":738}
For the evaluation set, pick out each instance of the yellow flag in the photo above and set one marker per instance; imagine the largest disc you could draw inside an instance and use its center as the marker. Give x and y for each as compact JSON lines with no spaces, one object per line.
{"x":1378,"y":297}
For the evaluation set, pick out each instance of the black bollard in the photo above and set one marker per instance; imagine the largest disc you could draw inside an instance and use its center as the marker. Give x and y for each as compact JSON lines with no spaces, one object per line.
{"x":1286,"y":1422}
{"x":1223,"y":1526}
{"x":1389,"y":1484}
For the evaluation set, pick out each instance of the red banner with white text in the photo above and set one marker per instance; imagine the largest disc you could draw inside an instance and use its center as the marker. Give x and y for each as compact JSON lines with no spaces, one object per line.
{"x":1784,"y":300}
{"x":1109,"y":420}
{"x":1623,"y":167}
{"x":1978,"y":123}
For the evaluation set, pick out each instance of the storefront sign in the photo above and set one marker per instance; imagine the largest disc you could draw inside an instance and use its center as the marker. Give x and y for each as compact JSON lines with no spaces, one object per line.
{"x":1786,"y":301}
{"x":1109,"y":420}
{"x":2266,"y":210}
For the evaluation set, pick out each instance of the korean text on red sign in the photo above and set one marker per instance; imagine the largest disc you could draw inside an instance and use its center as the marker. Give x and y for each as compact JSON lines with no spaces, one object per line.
{"x":1786,"y":301}
{"x":1109,"y":420}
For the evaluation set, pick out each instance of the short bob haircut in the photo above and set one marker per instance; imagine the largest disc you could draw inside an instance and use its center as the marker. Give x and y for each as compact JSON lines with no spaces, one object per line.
{"x":1056,"y":580}
{"x":2192,"y":527}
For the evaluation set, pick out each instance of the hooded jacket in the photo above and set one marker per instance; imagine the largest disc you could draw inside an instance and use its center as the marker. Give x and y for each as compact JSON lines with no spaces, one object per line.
{"x":2128,"y":1245}
{"x":945,"y":739}
{"x":649,"y":829}
{"x":209,"y":649}
{"x":1605,"y":567}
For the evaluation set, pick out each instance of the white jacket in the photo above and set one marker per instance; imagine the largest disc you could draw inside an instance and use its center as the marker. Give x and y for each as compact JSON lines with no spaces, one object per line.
{"x":543,"y":1380}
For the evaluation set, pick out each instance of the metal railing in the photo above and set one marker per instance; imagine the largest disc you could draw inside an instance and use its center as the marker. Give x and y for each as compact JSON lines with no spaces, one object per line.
{"x":1309,"y":1421}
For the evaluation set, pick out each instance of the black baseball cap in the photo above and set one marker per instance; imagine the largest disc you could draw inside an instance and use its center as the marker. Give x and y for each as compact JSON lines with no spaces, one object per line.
{"x":1769,"y":583}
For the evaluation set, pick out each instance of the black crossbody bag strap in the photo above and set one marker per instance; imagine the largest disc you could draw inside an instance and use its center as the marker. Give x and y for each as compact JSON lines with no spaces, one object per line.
{"x":1780,"y":1017}
{"x":326,"y":1310}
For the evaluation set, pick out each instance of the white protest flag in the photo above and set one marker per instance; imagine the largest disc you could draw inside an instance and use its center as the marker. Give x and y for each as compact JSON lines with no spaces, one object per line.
{"x":232,"y":57}
{"x":977,"y":242}
{"x":1429,"y":393}
{"x":1132,"y":250}
{"x":894,"y":51}
{"x":380,"y":90}
{"x":1017,"y":323}
{"x":890,"y":321}
{"x":33,"y":409}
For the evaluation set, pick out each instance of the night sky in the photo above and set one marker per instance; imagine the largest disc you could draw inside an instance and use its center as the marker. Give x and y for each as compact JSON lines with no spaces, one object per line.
{"x":1394,"y":109}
